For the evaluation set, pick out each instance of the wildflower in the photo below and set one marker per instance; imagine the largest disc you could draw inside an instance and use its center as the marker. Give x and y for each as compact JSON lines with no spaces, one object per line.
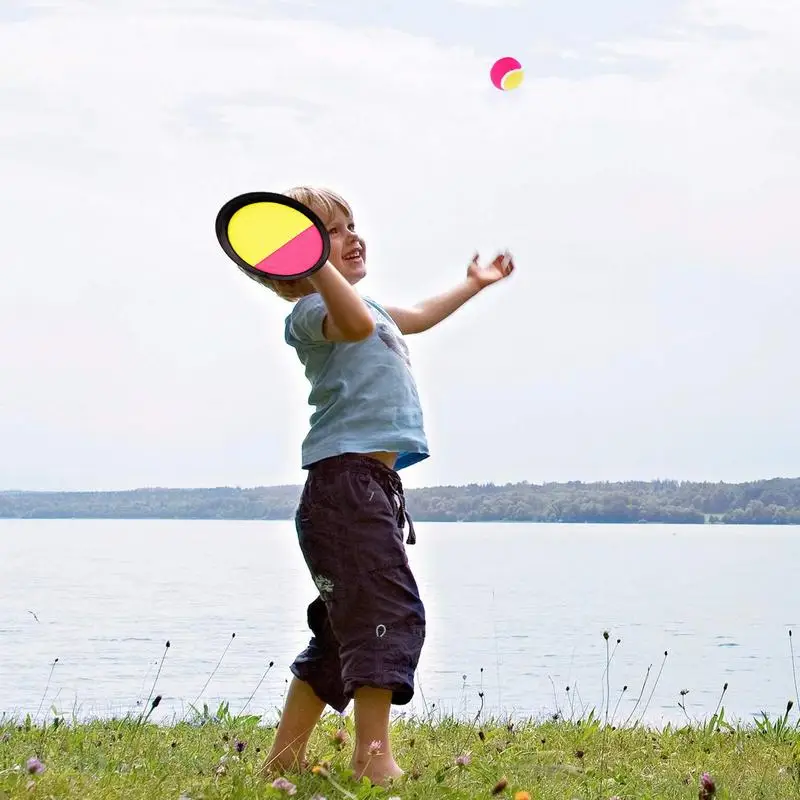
{"x":463,"y":760}
{"x":707,"y":787}
{"x":35,"y":767}
{"x":500,"y":786}
{"x":321,"y":770}
{"x":522,"y":795}
{"x":240,"y":746}
{"x":341,"y":738}
{"x":284,"y":785}
{"x":318,"y":797}
{"x":375,"y":748}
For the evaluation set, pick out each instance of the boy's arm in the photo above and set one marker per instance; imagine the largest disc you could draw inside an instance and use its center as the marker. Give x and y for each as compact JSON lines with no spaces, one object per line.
{"x":425,"y":315}
{"x":432,"y":311}
{"x":348,"y":319}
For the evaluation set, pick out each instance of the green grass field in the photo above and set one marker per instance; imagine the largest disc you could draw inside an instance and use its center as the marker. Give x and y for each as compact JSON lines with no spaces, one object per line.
{"x":218,"y":756}
{"x":573,"y":755}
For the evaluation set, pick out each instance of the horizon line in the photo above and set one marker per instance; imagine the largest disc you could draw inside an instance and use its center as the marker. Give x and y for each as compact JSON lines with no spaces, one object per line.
{"x":410,"y":489}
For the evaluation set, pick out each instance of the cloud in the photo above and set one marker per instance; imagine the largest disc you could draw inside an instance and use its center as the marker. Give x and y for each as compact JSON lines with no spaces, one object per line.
{"x":650,"y":204}
{"x":490,"y":3}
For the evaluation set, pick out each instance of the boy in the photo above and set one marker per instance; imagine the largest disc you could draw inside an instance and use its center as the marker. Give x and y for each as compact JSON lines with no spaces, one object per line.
{"x":368,"y":622}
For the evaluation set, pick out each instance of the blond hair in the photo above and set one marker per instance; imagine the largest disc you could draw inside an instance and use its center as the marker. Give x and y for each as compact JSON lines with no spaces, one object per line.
{"x":324,"y":203}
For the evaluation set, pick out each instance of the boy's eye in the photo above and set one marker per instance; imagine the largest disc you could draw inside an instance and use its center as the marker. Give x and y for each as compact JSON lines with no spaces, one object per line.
{"x":332,"y":231}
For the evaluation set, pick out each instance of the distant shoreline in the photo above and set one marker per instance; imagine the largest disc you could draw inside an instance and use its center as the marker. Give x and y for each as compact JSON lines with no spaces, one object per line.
{"x":773,"y":501}
{"x":715,"y":523}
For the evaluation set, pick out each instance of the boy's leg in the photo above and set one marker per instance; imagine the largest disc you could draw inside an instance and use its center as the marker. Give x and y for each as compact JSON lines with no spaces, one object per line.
{"x":300,"y":715}
{"x":317,"y":681}
{"x":350,"y":538}
{"x":374,"y":761}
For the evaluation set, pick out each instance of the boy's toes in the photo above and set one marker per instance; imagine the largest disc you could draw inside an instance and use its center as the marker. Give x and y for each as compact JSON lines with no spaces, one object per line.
{"x":379,"y":772}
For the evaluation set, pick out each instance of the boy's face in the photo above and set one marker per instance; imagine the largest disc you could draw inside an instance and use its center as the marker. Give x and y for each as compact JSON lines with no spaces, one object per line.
{"x":348,"y":251}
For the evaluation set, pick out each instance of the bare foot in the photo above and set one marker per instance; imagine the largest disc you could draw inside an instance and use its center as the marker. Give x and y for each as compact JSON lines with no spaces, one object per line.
{"x":280,"y":766}
{"x":381,"y":770}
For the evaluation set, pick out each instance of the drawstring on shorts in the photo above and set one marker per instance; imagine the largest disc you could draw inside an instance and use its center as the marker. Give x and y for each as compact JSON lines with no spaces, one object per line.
{"x":395,"y":488}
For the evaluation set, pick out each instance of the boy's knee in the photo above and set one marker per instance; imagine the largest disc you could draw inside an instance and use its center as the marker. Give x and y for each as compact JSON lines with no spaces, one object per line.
{"x":388,"y":659}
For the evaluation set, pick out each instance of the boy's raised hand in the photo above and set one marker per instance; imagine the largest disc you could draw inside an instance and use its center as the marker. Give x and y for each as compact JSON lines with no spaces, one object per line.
{"x":501,"y":267}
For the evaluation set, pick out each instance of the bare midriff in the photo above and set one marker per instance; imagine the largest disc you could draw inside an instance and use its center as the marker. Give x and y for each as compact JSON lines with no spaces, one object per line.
{"x":385,"y":458}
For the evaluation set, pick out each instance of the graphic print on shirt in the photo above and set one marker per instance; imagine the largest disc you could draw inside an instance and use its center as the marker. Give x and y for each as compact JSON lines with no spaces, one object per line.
{"x":393,"y":342}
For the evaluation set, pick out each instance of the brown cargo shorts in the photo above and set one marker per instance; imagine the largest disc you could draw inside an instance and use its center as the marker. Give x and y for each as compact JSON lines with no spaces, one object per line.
{"x":368,"y":622}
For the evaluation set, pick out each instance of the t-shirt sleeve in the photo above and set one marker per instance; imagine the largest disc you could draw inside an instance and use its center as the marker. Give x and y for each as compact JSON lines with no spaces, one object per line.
{"x":305,"y":322}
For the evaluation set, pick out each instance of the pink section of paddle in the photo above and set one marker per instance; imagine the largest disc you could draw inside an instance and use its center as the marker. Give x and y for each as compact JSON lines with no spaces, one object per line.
{"x":294,"y":257}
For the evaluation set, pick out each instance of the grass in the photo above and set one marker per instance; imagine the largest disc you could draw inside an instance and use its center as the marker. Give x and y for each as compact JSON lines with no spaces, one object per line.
{"x":218,"y":756}
{"x":576,"y":754}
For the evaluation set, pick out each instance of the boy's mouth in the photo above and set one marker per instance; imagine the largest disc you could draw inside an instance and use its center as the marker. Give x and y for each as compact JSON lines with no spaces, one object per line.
{"x":353,"y":255}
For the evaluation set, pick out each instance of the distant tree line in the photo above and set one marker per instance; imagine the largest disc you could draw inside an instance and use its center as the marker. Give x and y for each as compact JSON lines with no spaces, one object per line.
{"x":775,"y":501}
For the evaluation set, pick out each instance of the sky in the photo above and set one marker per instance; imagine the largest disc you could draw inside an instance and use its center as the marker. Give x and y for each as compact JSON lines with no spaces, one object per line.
{"x":646,"y":176}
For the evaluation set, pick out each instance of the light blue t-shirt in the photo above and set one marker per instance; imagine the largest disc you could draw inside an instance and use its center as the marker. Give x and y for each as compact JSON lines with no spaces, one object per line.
{"x":364,"y":396}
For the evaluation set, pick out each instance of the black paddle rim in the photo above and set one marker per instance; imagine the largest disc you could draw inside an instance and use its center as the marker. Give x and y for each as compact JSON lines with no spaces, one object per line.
{"x":249,"y":198}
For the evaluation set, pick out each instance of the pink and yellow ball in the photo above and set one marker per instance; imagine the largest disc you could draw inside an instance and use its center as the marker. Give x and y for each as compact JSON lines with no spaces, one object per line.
{"x":507,"y":73}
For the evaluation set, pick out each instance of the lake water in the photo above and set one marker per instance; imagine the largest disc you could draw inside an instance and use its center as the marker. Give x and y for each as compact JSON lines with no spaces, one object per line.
{"x":526,"y":604}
